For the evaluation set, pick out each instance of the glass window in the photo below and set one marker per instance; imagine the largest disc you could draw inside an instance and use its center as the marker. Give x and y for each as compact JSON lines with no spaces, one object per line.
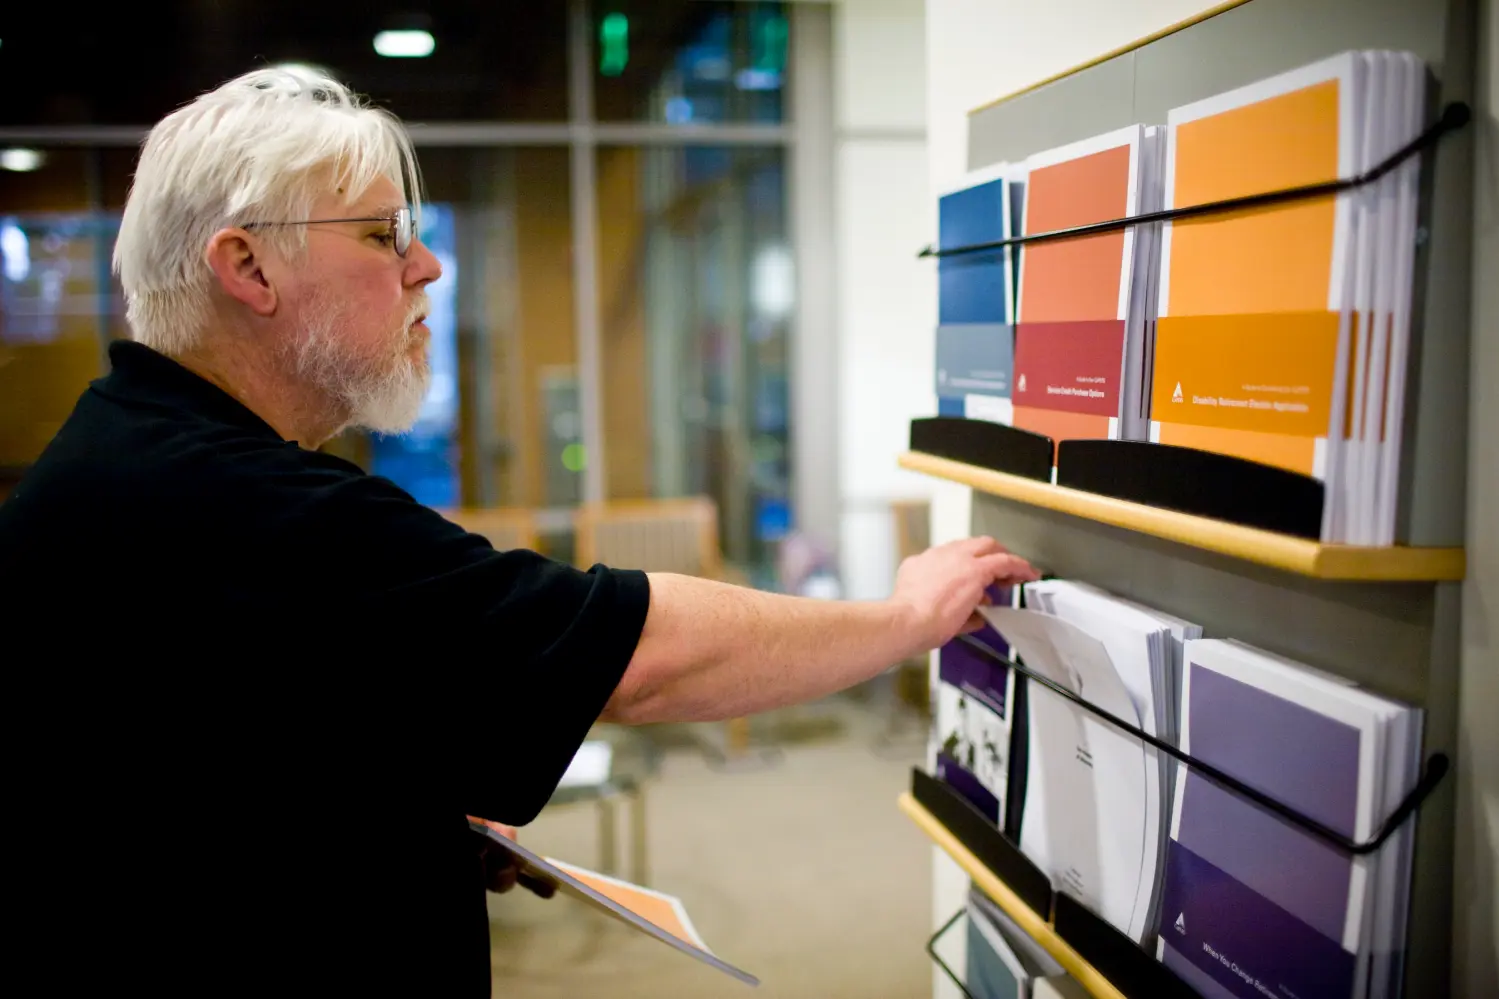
{"x":695,"y":272}
{"x":695,"y":298}
{"x":500,"y":424}
{"x":488,"y":61}
{"x":689,"y":61}
{"x":57,"y":304}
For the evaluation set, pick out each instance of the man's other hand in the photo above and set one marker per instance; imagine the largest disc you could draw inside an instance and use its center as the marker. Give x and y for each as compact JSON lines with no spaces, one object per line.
{"x":942,"y":588}
{"x":501,"y":872}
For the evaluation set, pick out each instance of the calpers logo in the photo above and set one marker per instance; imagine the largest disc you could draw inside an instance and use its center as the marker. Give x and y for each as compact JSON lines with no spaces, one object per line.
{"x":1181,"y":922}
{"x":1022,"y":382}
{"x":1177,"y":395}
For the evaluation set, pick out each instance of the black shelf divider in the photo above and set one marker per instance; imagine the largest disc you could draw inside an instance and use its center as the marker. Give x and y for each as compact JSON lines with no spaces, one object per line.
{"x":1432,"y":774}
{"x":1453,"y":117}
{"x":984,"y":840}
{"x":1128,"y":967}
{"x":1166,"y":476}
{"x":995,"y":446}
{"x":1188,"y":480}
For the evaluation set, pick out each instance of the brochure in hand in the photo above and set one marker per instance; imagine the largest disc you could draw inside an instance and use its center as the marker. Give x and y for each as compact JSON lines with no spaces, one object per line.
{"x":651,"y":912}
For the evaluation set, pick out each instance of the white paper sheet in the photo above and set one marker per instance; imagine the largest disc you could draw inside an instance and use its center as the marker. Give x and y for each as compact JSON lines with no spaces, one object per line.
{"x":1084,"y":818}
{"x":1137,"y":645}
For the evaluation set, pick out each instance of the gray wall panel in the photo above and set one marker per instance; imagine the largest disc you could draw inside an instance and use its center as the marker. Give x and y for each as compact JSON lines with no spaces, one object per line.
{"x":1435,"y":465}
{"x":1267,"y":37}
{"x":1092,"y":102}
{"x":1429,"y":968}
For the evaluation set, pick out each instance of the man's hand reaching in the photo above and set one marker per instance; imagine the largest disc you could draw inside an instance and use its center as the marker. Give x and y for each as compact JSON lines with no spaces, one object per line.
{"x":942,"y":588}
{"x":711,"y":651}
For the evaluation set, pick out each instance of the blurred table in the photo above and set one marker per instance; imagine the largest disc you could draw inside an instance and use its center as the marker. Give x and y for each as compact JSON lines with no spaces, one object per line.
{"x":614,"y":765}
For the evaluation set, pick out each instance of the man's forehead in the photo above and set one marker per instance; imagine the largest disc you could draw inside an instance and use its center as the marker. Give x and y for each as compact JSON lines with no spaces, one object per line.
{"x":382,"y":198}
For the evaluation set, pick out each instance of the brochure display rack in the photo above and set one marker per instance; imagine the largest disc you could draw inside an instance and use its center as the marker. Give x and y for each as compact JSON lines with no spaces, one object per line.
{"x":1237,"y":547}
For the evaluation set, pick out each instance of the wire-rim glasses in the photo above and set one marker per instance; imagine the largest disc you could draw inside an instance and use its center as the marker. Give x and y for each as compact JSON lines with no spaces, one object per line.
{"x":400,"y":226}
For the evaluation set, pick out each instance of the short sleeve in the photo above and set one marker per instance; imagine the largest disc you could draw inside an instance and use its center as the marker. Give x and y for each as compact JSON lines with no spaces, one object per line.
{"x":506,"y":659}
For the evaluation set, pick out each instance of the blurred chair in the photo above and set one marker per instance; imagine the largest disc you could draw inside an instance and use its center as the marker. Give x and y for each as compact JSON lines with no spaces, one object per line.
{"x":660,"y":535}
{"x":507,"y":528}
{"x":669,"y":535}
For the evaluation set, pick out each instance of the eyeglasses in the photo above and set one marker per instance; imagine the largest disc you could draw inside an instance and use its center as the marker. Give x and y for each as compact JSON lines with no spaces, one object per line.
{"x":400,"y":227}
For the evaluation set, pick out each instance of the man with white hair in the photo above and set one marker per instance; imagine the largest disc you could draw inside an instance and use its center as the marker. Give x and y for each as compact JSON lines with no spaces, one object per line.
{"x":266,"y":688}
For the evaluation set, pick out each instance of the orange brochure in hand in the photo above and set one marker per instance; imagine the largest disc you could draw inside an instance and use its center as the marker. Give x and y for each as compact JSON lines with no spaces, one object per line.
{"x":654,"y":913}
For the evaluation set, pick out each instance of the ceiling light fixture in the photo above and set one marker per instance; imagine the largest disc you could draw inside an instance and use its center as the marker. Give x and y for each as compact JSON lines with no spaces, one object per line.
{"x":405,"y":44}
{"x":20,"y":160}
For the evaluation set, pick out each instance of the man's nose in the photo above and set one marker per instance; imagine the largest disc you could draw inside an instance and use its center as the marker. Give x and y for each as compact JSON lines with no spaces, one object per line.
{"x":422,"y":265}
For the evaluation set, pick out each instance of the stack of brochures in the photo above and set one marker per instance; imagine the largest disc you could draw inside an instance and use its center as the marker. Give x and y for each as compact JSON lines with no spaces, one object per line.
{"x":1145,"y":646}
{"x":974,"y":697}
{"x":1002,"y":960}
{"x":1097,"y":798}
{"x":1235,"y":898}
{"x":974,"y":705}
{"x":1253,"y":904}
{"x":1284,"y":331}
{"x":976,"y":296}
{"x":1085,"y":302}
{"x":1279,"y":334}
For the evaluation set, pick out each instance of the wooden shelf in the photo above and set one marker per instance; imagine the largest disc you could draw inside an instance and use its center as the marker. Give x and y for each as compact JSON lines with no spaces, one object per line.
{"x":1027,"y":918}
{"x":1280,"y":551}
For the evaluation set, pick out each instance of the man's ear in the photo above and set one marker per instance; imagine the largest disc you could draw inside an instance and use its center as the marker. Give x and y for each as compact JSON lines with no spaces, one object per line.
{"x":236,"y":262}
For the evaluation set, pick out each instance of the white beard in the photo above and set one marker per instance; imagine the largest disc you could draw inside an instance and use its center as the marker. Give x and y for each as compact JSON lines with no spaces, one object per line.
{"x":392,"y":404}
{"x":384,"y":396}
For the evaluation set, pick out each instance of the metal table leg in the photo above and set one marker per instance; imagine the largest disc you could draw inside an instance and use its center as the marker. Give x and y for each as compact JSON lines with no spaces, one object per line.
{"x":638,"y":869}
{"x":608,"y":860}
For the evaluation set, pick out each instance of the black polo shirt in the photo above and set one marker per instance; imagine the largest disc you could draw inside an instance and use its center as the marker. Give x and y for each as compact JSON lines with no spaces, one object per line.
{"x":252,"y":692}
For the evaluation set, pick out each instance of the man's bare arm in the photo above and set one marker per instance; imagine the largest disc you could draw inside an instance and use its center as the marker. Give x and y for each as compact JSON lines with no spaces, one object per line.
{"x":710,"y":650}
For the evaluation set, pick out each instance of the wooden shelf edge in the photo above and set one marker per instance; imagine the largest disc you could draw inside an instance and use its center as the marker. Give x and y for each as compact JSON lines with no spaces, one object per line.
{"x":1027,"y":918}
{"x":1280,"y":551}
